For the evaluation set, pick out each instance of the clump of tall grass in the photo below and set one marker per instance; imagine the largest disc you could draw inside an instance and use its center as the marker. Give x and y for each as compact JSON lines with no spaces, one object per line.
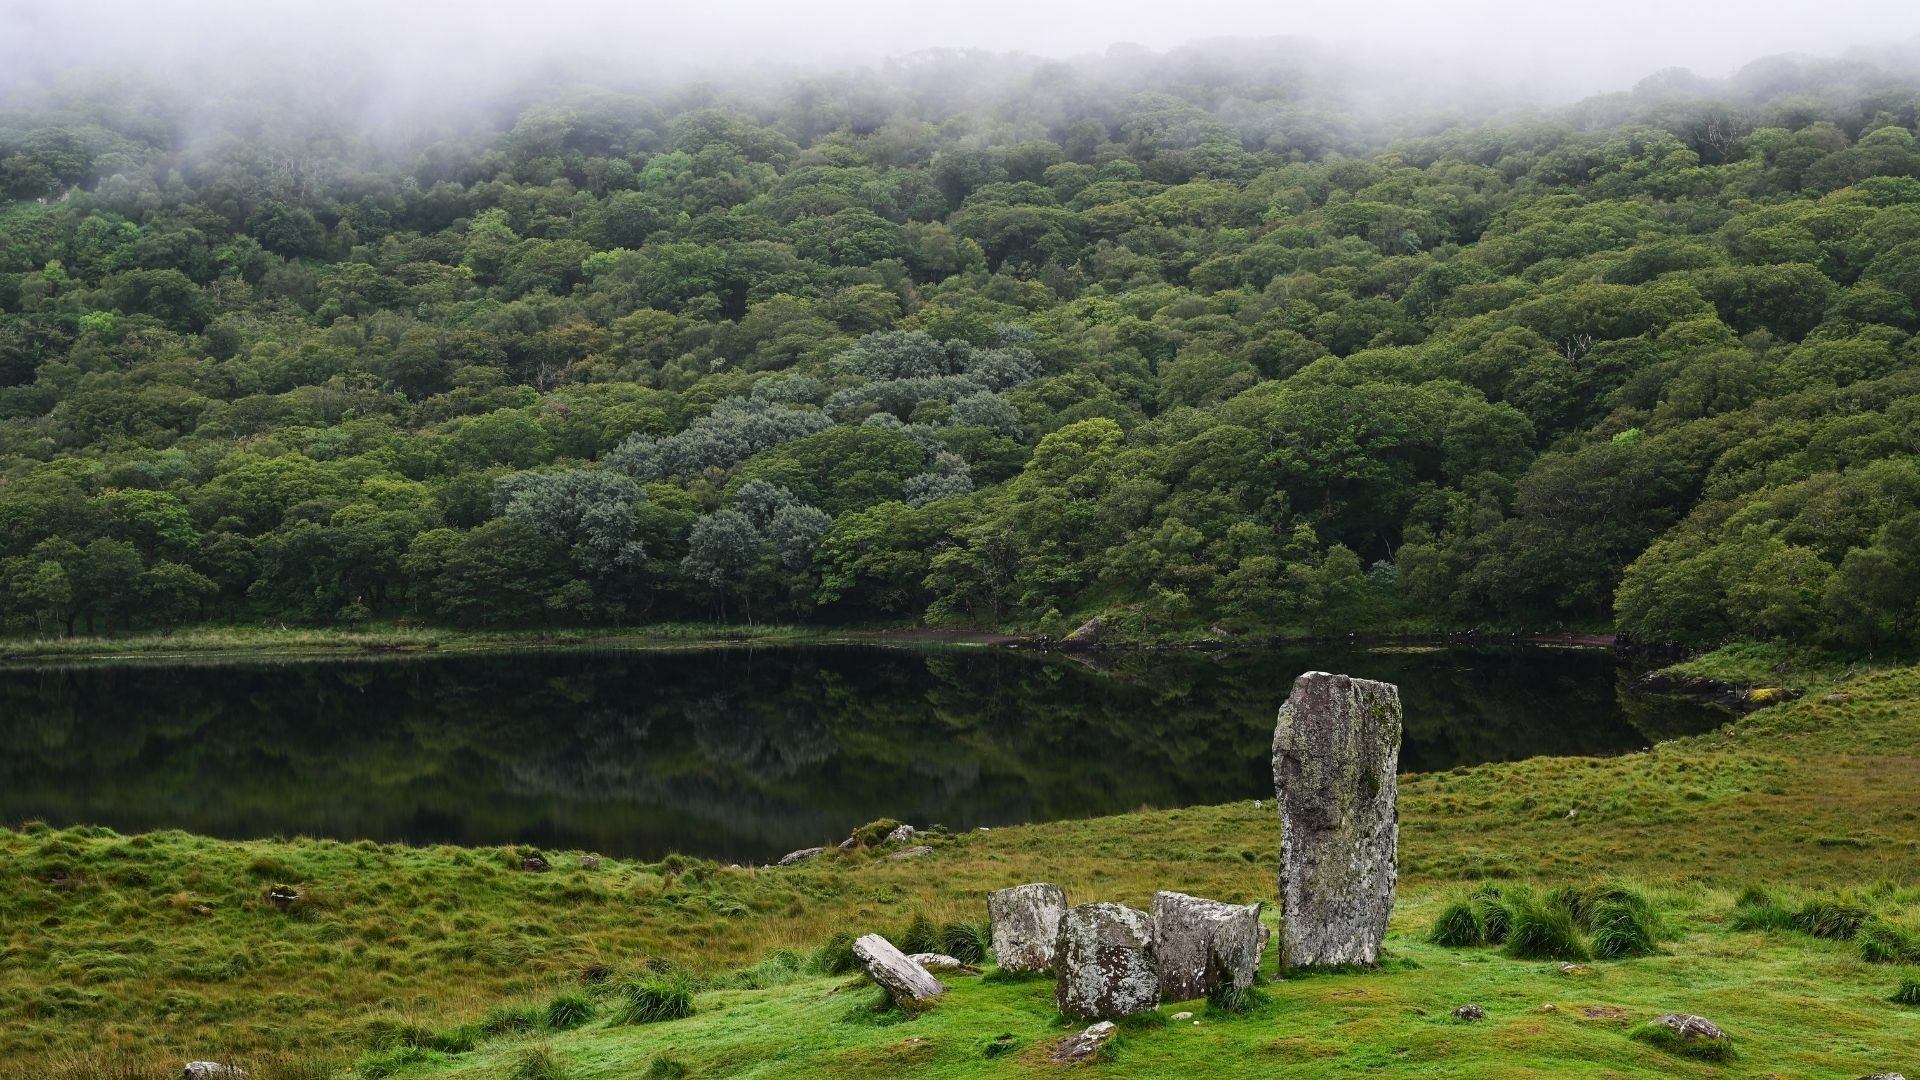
{"x":1458,"y":926}
{"x":536,"y":1063}
{"x":1757,"y":909}
{"x":569,"y":1010}
{"x":513,"y":1018}
{"x":1882,"y":942}
{"x":653,"y":999}
{"x":921,"y":935}
{"x":835,"y":955}
{"x":1490,"y":907}
{"x":1909,"y":991}
{"x":1835,"y":920}
{"x":965,"y":941}
{"x":1541,"y":930}
{"x":666,"y":1067}
{"x":1620,"y":930}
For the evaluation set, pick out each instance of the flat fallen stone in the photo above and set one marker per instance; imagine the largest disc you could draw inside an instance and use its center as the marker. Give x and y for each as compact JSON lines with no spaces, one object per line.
{"x":912,"y":852}
{"x":1183,"y":1016}
{"x":1689,"y":1026}
{"x":1204,"y":945}
{"x":802,"y":855}
{"x":1026,"y":925}
{"x":907,"y":981}
{"x":1083,"y":1045}
{"x":211,"y":1070}
{"x":1336,"y":750}
{"x":938,"y":962}
{"x":1104,"y":966}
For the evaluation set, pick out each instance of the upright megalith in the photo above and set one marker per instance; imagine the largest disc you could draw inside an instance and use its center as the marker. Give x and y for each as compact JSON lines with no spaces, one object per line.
{"x":1026,"y":925}
{"x":906,"y":981}
{"x":1104,"y":965}
{"x":1335,"y":751}
{"x":1204,"y":946}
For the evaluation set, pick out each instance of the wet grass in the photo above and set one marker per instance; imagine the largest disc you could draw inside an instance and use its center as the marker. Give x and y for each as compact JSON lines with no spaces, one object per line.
{"x":126,"y":955}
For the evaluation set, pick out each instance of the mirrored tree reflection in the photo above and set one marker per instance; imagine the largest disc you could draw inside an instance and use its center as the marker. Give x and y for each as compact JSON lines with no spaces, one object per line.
{"x":737,"y":754}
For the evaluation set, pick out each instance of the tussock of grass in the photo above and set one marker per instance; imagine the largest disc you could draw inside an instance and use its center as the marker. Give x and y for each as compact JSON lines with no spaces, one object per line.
{"x":921,"y":935}
{"x":835,"y":956}
{"x":966,"y":942}
{"x":1882,"y":942}
{"x":1458,"y":926}
{"x":568,"y":1010}
{"x":1909,"y":991}
{"x":536,"y":1063}
{"x":1490,"y":908}
{"x":666,"y":1067}
{"x":1758,"y":909}
{"x":1542,"y":930}
{"x":654,"y":999}
{"x":1235,"y":1001}
{"x":1622,"y":930}
{"x":1834,"y":920}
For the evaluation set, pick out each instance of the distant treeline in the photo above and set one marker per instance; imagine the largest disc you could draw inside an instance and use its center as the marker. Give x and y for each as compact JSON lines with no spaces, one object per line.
{"x":1209,"y":349}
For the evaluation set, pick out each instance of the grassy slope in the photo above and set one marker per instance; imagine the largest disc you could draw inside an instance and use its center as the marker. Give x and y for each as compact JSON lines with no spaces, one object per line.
{"x":155,"y":949}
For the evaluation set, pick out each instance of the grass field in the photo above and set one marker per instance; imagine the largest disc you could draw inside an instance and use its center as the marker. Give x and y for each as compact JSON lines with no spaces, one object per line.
{"x":125,"y":956}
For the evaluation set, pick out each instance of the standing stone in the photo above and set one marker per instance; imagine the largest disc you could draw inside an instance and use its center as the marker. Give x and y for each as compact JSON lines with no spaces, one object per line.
{"x":1104,"y":963}
{"x":907,"y":981}
{"x":1335,"y":752}
{"x":1026,"y":925}
{"x":1204,"y":945}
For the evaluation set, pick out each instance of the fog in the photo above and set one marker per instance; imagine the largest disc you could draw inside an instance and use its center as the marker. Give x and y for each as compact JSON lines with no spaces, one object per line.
{"x":438,"y":50}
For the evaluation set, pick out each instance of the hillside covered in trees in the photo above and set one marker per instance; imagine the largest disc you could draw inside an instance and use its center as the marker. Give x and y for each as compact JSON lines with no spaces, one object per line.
{"x":1190,"y":340}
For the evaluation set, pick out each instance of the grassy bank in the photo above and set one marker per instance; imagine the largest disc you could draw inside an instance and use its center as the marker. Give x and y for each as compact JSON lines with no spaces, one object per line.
{"x":282,"y":641}
{"x":136,"y":953}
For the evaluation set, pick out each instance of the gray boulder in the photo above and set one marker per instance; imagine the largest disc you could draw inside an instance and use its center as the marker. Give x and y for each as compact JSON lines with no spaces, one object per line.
{"x":589,"y":862}
{"x":1083,"y":1045}
{"x":1335,"y":751}
{"x":907,"y":981}
{"x":901,"y":835}
{"x":800,"y":856}
{"x":211,"y":1070}
{"x":1104,"y":964}
{"x":1026,"y":925}
{"x":1469,"y":1012}
{"x":1088,"y":633}
{"x":1204,"y":945}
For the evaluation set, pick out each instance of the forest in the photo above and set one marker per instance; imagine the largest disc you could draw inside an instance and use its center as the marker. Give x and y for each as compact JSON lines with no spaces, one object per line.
{"x":1198,"y":343}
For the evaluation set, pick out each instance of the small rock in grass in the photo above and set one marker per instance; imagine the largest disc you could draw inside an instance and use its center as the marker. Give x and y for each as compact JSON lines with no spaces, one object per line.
{"x":1183,"y":1016}
{"x":1684,"y":1033}
{"x":1883,"y":1076}
{"x":942,"y":962}
{"x":211,"y":1070}
{"x":589,"y":862}
{"x":534,"y":864}
{"x":1604,"y":1012}
{"x":802,"y":855}
{"x":1470,"y":1012}
{"x":912,"y":852}
{"x":1084,"y":1045}
{"x":283,"y":897}
{"x":849,"y":843}
{"x":1549,"y":1007}
{"x":1574,"y":969}
{"x":901,"y":835}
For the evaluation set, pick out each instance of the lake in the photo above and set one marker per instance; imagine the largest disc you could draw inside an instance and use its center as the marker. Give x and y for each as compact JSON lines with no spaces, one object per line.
{"x":740,"y":754}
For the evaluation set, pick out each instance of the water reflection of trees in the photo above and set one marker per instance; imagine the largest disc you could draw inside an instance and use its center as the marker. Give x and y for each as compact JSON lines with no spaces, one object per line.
{"x":731,"y":753}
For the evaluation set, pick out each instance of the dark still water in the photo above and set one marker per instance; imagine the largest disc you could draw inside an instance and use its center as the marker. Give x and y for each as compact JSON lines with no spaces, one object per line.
{"x":737,"y":754}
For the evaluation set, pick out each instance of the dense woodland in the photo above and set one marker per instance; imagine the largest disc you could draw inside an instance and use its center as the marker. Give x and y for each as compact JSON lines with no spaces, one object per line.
{"x":1191,"y":341}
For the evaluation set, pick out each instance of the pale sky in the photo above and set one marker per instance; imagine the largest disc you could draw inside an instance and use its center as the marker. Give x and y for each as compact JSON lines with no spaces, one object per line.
{"x":1579,"y":47}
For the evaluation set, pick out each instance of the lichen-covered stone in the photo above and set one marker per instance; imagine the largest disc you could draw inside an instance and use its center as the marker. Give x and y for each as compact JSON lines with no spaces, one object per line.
{"x":1104,"y":964}
{"x":907,"y":981}
{"x":1691,"y":1028}
{"x":1469,"y":1013}
{"x":1083,"y":1045}
{"x":1026,"y":925}
{"x":912,"y":852}
{"x":901,"y":835}
{"x":1335,"y":751}
{"x":1204,"y":945}
{"x":800,"y":856}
